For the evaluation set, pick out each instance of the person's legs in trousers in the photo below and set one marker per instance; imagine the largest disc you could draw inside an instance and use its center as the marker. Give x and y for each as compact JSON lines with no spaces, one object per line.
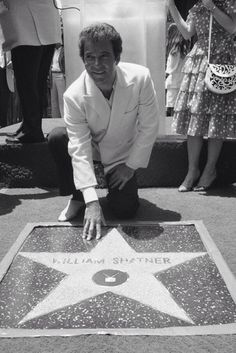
{"x":61,"y":87}
{"x":58,"y":145}
{"x":123,"y":203}
{"x":43,"y":73}
{"x":54,"y":98}
{"x":26,"y":61}
{"x":4,"y":98}
{"x":31,"y":66}
{"x":57,"y":90}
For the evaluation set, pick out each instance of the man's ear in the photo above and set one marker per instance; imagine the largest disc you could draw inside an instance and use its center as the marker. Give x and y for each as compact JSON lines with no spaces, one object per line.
{"x":117,"y":60}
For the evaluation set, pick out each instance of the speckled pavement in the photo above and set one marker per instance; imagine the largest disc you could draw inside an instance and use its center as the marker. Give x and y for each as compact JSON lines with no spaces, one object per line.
{"x":217,"y":211}
{"x":141,"y":278}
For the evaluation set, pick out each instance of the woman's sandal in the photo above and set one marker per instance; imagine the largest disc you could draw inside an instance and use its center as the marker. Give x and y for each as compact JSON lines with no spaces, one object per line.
{"x":205,"y":187}
{"x":184,"y":188}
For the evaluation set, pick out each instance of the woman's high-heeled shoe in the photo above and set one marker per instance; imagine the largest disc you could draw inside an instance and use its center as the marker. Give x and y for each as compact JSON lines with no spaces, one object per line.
{"x":198,"y":188}
{"x":186,"y":188}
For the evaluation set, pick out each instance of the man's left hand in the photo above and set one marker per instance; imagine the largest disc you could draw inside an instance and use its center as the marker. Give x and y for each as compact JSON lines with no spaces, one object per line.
{"x":120,"y":175}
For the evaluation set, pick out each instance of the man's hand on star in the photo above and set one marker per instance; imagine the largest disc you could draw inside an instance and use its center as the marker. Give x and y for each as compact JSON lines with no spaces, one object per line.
{"x":93,"y":218}
{"x":120,"y":175}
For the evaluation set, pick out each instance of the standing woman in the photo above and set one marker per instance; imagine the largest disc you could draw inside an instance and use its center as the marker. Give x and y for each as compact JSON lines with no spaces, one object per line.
{"x":31,"y":28}
{"x":199,"y":112}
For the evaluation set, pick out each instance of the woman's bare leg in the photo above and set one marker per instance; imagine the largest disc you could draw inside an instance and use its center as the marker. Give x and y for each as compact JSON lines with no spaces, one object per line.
{"x":194,"y":145}
{"x":209,"y":172}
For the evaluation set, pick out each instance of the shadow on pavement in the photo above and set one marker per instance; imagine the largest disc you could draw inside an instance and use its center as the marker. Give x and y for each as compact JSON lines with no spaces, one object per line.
{"x":9,"y":202}
{"x":147,"y":211}
{"x":229,"y":191}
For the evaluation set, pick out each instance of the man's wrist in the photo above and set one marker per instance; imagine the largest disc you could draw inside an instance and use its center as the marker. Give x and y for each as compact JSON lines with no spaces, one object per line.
{"x":92,"y":203}
{"x":89,"y":194}
{"x":130,"y":168}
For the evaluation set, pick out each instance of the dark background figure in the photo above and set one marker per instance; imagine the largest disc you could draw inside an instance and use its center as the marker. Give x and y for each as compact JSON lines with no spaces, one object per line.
{"x":176,"y":50}
{"x":184,"y":6}
{"x":31,"y":28}
{"x":57,"y":82}
{"x":5,"y":93}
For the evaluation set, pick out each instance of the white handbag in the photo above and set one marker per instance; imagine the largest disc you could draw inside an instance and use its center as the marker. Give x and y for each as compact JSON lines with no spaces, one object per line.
{"x":219,"y":78}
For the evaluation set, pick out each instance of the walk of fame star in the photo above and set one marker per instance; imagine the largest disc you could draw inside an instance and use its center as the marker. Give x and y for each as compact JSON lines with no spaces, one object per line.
{"x":111,"y":266}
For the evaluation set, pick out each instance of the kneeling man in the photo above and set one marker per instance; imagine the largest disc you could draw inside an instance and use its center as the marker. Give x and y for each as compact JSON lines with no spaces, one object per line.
{"x":111,"y":116}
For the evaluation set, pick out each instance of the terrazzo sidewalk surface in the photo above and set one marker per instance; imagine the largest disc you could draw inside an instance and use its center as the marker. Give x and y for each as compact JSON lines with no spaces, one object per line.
{"x":217,"y":211}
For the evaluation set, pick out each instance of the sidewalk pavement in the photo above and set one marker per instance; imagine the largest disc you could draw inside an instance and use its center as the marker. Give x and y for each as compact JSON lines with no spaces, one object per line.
{"x":215,"y":208}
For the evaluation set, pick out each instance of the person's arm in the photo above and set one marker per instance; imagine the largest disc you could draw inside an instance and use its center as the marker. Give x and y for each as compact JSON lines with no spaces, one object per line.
{"x":227,"y":22}
{"x":80,"y":150}
{"x":147,"y":125}
{"x":187,"y":29}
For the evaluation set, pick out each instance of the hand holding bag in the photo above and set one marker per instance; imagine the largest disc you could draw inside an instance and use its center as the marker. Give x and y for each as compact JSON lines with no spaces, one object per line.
{"x":219,"y":78}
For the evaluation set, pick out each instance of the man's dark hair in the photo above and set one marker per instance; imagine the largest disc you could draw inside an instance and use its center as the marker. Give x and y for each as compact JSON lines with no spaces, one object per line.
{"x":98,"y":32}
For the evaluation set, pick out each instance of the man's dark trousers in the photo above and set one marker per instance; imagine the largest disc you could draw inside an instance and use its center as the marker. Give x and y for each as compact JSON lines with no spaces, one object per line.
{"x":123,"y":203}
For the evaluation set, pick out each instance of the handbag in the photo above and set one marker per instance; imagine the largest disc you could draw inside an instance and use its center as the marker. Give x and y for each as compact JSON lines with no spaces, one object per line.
{"x":219,"y":78}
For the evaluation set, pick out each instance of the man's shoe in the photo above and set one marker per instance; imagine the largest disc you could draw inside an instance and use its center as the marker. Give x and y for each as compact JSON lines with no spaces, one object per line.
{"x":71,"y":211}
{"x":27,"y":138}
{"x":14,"y":134}
{"x":11,"y":134}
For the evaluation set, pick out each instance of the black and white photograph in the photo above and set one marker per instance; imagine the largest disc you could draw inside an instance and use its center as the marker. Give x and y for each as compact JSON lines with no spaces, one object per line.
{"x":117,"y":176}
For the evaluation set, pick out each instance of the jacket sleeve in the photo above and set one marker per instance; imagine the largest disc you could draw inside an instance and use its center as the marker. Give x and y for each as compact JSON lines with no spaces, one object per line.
{"x":79,"y":147}
{"x":147,"y":125}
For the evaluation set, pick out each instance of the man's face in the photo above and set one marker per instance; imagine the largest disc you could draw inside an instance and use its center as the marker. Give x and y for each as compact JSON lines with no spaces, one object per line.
{"x":100,"y":63}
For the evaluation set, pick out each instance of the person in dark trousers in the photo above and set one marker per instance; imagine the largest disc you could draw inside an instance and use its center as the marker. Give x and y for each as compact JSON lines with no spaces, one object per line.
{"x":111,"y":116}
{"x":5,"y":93}
{"x":31,"y":28}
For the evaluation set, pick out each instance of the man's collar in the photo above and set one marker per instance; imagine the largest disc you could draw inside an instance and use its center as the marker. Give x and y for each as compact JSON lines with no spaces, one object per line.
{"x":122,"y":77}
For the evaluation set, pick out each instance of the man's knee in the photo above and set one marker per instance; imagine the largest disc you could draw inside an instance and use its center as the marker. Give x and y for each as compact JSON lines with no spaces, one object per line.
{"x":124,"y":207}
{"x":57,"y":136}
{"x":58,"y":141}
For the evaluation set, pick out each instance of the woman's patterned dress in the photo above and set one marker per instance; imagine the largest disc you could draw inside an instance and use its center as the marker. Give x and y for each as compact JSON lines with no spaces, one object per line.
{"x":199,"y":112}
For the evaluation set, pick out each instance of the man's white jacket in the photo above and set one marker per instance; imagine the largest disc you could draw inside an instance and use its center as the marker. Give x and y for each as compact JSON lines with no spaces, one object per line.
{"x":124,"y":134}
